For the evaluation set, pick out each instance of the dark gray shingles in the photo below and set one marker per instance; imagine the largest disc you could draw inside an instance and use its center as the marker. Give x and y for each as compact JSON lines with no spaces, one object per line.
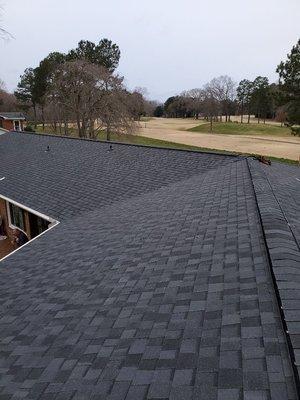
{"x":277,"y":189}
{"x":149,"y":297}
{"x":78,"y":176}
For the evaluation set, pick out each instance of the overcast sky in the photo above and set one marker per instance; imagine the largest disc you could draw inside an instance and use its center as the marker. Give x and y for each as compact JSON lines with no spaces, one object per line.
{"x":166,"y":45}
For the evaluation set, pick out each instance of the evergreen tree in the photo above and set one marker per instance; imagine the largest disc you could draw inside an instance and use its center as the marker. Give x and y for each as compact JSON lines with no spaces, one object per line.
{"x":289,"y":82}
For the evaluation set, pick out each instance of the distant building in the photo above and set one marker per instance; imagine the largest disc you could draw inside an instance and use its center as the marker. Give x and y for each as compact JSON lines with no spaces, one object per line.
{"x":12,"y":121}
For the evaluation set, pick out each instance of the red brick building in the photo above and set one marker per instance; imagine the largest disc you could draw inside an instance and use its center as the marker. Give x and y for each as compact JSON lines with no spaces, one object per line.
{"x":12,"y":121}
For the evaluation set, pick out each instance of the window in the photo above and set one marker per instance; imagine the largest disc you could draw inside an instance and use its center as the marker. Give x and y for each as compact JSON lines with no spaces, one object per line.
{"x":16,"y":216}
{"x":37,"y":225}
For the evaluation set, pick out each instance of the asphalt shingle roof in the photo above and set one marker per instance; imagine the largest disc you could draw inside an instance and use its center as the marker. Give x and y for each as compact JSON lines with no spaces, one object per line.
{"x":12,"y":115}
{"x":156,"y":284}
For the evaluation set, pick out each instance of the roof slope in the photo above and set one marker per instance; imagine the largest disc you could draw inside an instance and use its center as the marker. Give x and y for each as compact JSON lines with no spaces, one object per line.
{"x":12,"y":115}
{"x":77,"y":176}
{"x":164,"y":292}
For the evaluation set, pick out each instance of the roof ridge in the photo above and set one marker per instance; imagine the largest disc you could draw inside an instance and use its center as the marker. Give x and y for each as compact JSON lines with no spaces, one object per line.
{"x":277,"y":239}
{"x":217,"y":153}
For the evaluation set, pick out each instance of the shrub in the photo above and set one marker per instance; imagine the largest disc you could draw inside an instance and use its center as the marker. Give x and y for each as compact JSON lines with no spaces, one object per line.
{"x":295,"y":130}
{"x":29,"y":128}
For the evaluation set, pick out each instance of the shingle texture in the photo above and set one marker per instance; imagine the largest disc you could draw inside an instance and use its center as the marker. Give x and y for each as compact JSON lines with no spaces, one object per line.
{"x":155,"y":285}
{"x":278,"y":195}
{"x":77,"y":176}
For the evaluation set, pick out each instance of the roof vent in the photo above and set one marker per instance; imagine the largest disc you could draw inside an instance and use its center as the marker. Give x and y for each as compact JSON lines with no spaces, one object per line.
{"x":48,"y":149}
{"x":110,"y":148}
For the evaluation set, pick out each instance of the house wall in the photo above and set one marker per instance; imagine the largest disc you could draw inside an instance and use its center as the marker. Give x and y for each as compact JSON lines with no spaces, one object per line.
{"x":7,"y":229}
{"x":9,"y":124}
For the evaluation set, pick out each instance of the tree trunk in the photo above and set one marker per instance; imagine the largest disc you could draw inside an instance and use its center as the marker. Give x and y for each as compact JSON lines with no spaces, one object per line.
{"x":211,"y":124}
{"x":34,"y":113}
{"x":108,"y":133}
{"x":91,"y":129}
{"x":83,"y":127}
{"x":66,"y":127}
{"x":242,"y":112}
{"x":43,"y":118}
{"x":78,"y":125}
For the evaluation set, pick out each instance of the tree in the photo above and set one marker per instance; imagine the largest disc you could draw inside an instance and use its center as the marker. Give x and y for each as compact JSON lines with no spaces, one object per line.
{"x":3,"y":33}
{"x":289,"y":83}
{"x":92,"y":96}
{"x":26,"y":91}
{"x":7,"y":100}
{"x":244,"y":93}
{"x":223,"y":90}
{"x":195,"y":99}
{"x":105,"y":53}
{"x":177,"y":107}
{"x":281,"y":115}
{"x":137,"y":103}
{"x":211,"y":104}
{"x":159,"y":111}
{"x":260,"y":98}
{"x":35,"y":83}
{"x":43,"y":76}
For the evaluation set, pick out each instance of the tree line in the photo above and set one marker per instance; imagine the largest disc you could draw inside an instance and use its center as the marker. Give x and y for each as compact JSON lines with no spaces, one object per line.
{"x":81,"y":90}
{"x":221,"y":98}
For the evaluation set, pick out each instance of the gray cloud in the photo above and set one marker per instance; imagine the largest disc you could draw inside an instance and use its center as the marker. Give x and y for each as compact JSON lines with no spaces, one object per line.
{"x":167,"y":45}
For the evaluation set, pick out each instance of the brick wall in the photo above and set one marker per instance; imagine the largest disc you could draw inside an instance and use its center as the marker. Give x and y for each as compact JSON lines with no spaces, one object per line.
{"x":7,"y":229}
{"x":6,"y":124}
{"x":9,"y":125}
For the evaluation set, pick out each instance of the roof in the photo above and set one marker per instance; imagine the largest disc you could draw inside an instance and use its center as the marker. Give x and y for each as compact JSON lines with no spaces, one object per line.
{"x":159,"y":282}
{"x":12,"y":115}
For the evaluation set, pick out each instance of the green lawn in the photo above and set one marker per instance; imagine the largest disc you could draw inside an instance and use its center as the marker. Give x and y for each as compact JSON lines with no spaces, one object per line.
{"x":232,"y":128}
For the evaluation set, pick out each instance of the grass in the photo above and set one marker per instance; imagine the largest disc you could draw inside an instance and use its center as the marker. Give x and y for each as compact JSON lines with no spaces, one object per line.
{"x":233,"y":128}
{"x":145,"y":141}
{"x":138,"y":140}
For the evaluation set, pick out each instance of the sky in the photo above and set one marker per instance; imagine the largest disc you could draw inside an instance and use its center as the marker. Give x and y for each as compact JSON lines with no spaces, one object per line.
{"x":167,"y":46}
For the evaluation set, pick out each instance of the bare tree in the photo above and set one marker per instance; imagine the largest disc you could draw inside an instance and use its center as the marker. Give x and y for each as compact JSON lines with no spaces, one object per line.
{"x":7,"y":100}
{"x":113,"y":107}
{"x":281,"y":115}
{"x":91,"y":96}
{"x":224,"y":91}
{"x":211,"y":104}
{"x":3,"y":33}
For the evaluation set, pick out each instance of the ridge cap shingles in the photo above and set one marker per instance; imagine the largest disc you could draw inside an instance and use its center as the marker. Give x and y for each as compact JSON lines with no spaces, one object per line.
{"x":283,"y":248}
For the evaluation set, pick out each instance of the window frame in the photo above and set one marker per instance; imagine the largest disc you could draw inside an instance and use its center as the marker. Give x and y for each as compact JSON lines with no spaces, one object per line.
{"x":10,"y":224}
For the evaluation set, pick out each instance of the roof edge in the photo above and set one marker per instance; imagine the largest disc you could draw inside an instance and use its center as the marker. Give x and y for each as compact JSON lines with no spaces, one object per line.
{"x":217,"y":153}
{"x":266,"y":203}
